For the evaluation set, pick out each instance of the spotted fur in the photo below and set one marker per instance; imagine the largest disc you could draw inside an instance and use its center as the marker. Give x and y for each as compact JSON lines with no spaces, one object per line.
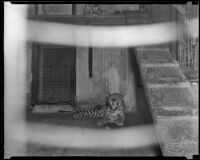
{"x":111,"y":112}
{"x":96,"y":111}
{"x":115,"y":111}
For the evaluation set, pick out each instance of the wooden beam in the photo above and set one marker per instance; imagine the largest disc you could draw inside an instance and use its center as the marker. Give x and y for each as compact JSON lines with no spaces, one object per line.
{"x":129,"y":18}
{"x":76,"y":19}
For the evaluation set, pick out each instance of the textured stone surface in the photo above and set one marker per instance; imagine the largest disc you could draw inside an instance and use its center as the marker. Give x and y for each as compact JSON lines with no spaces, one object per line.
{"x":176,"y":112}
{"x":178,"y":136}
{"x":172,"y":101}
{"x":156,"y":56}
{"x":169,"y":85}
{"x":173,"y":104}
{"x":163,"y":75}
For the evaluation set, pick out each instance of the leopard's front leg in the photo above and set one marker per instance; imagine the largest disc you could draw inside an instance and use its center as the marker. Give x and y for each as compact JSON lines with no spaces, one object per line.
{"x":120,"y":120}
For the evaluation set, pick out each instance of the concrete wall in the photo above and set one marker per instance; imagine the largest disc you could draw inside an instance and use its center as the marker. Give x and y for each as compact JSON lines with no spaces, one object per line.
{"x":112,"y":69}
{"x":112,"y":72}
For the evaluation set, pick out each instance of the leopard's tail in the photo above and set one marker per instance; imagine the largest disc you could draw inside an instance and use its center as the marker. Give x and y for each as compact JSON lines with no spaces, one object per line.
{"x":76,"y":114}
{"x":97,"y":111}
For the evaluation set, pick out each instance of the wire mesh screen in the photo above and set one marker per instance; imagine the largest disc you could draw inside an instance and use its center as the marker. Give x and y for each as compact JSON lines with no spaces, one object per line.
{"x":56,"y":76}
{"x":188,"y":47}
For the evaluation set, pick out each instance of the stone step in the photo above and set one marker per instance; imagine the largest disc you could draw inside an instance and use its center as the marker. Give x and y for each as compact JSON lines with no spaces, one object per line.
{"x":178,"y":136}
{"x":173,"y":105}
{"x":162,"y":46}
{"x":163,"y":75}
{"x":172,"y":101}
{"x":158,"y":66}
{"x":169,"y":85}
{"x":156,"y":57}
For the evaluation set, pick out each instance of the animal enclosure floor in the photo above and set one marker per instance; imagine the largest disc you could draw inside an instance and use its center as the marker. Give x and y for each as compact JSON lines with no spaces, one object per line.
{"x":132,"y":119}
{"x":61,"y":119}
{"x":39,"y":150}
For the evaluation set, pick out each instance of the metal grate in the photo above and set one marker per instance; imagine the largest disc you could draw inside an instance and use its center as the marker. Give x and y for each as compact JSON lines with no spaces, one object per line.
{"x":56,"y":75}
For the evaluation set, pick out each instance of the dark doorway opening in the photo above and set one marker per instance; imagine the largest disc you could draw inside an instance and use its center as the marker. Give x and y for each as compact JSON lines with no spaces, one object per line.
{"x":54,"y":74}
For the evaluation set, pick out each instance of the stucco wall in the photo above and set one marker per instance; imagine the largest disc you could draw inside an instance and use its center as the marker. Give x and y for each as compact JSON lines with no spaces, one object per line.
{"x":112,"y":69}
{"x":112,"y":72}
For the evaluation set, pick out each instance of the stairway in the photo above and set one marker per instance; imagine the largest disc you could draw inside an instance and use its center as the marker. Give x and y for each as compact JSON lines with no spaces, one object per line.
{"x":173,"y":106}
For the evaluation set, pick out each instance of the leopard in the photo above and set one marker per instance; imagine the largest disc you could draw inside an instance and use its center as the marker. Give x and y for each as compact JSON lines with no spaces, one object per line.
{"x":113,"y":111}
{"x":96,"y":111}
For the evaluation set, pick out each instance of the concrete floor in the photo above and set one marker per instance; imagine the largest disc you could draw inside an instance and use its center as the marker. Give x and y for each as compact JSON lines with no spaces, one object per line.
{"x":62,"y":119}
{"x":132,"y":119}
{"x":39,"y":150}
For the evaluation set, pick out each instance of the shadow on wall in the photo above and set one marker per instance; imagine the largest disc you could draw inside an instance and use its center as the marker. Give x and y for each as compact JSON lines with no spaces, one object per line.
{"x":134,"y":66}
{"x":142,"y":106}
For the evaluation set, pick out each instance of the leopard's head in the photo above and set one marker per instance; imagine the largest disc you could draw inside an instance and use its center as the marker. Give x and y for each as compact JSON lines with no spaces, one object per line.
{"x":114,"y":100}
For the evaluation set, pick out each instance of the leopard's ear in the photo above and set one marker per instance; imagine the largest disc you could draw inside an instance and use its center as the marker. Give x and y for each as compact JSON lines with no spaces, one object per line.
{"x":108,"y":94}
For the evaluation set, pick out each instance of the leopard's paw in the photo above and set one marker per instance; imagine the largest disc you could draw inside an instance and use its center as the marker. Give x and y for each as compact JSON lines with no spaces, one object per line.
{"x":99,"y":123}
{"x":107,"y":128}
{"x":78,"y":116}
{"x":120,"y":124}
